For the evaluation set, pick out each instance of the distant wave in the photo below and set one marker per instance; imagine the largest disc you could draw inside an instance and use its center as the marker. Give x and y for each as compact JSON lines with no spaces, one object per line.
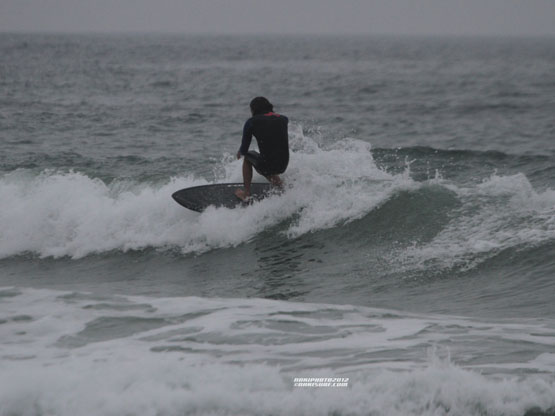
{"x":458,"y":154}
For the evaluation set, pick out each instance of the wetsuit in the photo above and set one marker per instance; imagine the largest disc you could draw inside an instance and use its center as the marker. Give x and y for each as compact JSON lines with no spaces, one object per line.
{"x":270,"y":131}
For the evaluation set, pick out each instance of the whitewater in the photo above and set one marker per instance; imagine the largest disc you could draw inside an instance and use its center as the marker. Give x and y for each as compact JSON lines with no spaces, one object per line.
{"x":411,"y":252}
{"x":56,"y":213}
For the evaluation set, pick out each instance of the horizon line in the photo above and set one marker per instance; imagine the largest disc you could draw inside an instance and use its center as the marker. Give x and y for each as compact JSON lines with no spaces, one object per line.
{"x":286,"y":34}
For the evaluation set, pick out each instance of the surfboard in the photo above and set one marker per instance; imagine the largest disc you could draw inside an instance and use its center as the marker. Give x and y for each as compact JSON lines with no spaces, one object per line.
{"x":198,"y":198}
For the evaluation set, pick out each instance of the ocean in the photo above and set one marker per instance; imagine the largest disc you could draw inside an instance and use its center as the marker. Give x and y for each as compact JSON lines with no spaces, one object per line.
{"x":410,"y":259}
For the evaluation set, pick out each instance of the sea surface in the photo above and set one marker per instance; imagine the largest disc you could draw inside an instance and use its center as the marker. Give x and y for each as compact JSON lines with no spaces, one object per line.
{"x":412,"y":252}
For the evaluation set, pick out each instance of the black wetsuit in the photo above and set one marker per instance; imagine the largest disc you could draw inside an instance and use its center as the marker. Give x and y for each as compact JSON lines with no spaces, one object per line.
{"x":270,"y":131}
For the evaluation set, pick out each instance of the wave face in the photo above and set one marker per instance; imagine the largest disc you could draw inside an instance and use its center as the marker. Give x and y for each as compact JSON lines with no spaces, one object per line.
{"x":69,"y":213}
{"x":361,"y":220}
{"x":72,"y":214}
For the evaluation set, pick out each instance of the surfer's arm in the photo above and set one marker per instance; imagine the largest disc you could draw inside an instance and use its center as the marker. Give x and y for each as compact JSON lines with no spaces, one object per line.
{"x":247,"y":138}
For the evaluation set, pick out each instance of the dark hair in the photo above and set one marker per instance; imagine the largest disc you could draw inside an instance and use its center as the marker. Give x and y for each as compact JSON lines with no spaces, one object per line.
{"x":261,"y":105}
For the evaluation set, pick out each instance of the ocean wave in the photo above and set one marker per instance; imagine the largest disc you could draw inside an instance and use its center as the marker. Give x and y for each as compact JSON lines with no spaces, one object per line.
{"x":72,"y":353}
{"x":69,"y":213}
{"x":72,"y":214}
{"x":166,"y":386}
{"x":465,"y":166}
{"x":502,"y":212}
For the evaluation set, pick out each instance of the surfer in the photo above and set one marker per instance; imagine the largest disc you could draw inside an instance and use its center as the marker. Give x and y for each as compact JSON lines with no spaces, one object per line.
{"x":270,"y":131}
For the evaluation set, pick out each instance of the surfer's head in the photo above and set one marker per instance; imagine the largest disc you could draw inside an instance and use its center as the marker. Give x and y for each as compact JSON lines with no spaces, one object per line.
{"x":261,"y":105}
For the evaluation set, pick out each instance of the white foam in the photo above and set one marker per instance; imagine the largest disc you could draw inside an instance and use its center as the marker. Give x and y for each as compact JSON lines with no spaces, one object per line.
{"x":500,"y":213}
{"x":71,"y":214}
{"x":57,"y":214}
{"x":240,"y":356}
{"x":169,"y":387}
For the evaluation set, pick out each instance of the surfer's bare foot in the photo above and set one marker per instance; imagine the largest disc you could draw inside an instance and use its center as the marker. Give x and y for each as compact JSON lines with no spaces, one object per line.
{"x":242,"y":195}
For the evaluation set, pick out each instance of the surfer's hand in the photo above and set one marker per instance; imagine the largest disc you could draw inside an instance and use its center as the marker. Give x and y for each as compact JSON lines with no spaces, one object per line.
{"x":238,"y":155}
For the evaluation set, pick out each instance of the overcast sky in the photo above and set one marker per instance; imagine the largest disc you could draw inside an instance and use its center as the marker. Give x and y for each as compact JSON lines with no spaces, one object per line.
{"x":466,"y":17}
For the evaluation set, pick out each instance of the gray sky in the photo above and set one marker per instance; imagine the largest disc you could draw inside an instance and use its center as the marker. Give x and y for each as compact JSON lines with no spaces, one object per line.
{"x":467,"y":17}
